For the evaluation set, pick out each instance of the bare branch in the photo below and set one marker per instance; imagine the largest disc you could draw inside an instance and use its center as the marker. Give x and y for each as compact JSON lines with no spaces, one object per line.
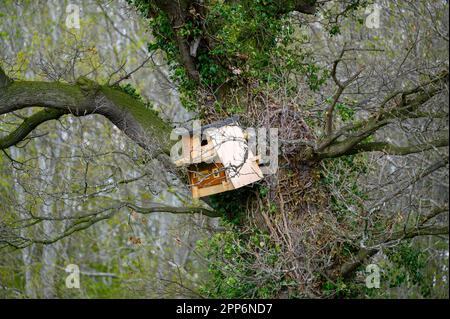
{"x":82,"y":222}
{"x":28,"y":125}
{"x":411,"y":99}
{"x":347,"y":269}
{"x":389,"y":148}
{"x":341,"y":88}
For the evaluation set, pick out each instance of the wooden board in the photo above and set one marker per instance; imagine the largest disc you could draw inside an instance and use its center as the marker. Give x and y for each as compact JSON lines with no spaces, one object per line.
{"x":196,"y":150}
{"x":185,"y":158}
{"x":231,"y":148}
{"x":211,"y":190}
{"x":204,"y":175}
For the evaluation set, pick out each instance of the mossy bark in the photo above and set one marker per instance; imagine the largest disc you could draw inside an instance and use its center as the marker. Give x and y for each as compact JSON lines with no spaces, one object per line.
{"x":130,"y":115}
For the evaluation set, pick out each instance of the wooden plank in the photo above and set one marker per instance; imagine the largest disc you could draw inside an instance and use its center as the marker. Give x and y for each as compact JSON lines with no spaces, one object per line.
{"x":248,"y":173}
{"x":227,"y":185}
{"x":181,"y":162}
{"x":185,"y":158}
{"x":204,"y":175}
{"x":187,"y":146}
{"x":231,"y":149}
{"x":195,"y":193}
{"x":208,"y":151}
{"x":211,"y":190}
{"x":196,"y":150}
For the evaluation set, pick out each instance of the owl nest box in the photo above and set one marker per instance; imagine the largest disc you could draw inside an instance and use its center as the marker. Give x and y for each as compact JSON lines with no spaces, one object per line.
{"x":218,"y":159}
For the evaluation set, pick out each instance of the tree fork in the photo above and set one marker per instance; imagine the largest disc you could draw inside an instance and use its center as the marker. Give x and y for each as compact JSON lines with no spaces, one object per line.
{"x":130,"y":115}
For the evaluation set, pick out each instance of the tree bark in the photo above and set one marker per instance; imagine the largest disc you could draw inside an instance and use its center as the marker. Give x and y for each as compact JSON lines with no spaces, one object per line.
{"x":133,"y":117}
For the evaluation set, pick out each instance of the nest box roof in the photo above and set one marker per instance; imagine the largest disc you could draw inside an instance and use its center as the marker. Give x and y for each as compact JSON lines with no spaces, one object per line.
{"x":234,"y":120}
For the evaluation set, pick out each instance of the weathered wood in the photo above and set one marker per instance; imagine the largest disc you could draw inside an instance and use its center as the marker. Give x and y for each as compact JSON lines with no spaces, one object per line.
{"x":224,"y":150}
{"x":234,"y":120}
{"x":232,"y":151}
{"x":196,"y":150}
{"x":225,"y":186}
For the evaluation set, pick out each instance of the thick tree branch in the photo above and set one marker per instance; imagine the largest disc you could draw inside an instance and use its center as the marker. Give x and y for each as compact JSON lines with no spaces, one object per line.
{"x":28,"y":125}
{"x":302,"y":6}
{"x":348,"y":139}
{"x":10,"y":239}
{"x":305,"y":6}
{"x":173,"y":210}
{"x":179,"y":13}
{"x":83,"y":98}
{"x":340,"y":148}
{"x":348,"y":269}
{"x":392,"y":149}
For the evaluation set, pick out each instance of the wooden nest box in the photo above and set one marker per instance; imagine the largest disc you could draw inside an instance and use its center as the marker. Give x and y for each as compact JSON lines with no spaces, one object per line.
{"x":218,"y":159}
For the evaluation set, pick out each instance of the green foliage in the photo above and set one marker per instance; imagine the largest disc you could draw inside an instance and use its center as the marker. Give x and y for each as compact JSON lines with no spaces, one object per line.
{"x":407,"y":265}
{"x":338,"y":11}
{"x":345,"y":112}
{"x":134,"y":93}
{"x":231,"y":204}
{"x":340,"y":289}
{"x":315,"y":75}
{"x":342,"y":174}
{"x":263,"y":191}
{"x":334,"y":30}
{"x":131,"y":91}
{"x":234,"y":257}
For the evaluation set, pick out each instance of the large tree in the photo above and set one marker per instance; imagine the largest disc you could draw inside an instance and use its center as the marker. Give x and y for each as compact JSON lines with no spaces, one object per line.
{"x":250,"y":55}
